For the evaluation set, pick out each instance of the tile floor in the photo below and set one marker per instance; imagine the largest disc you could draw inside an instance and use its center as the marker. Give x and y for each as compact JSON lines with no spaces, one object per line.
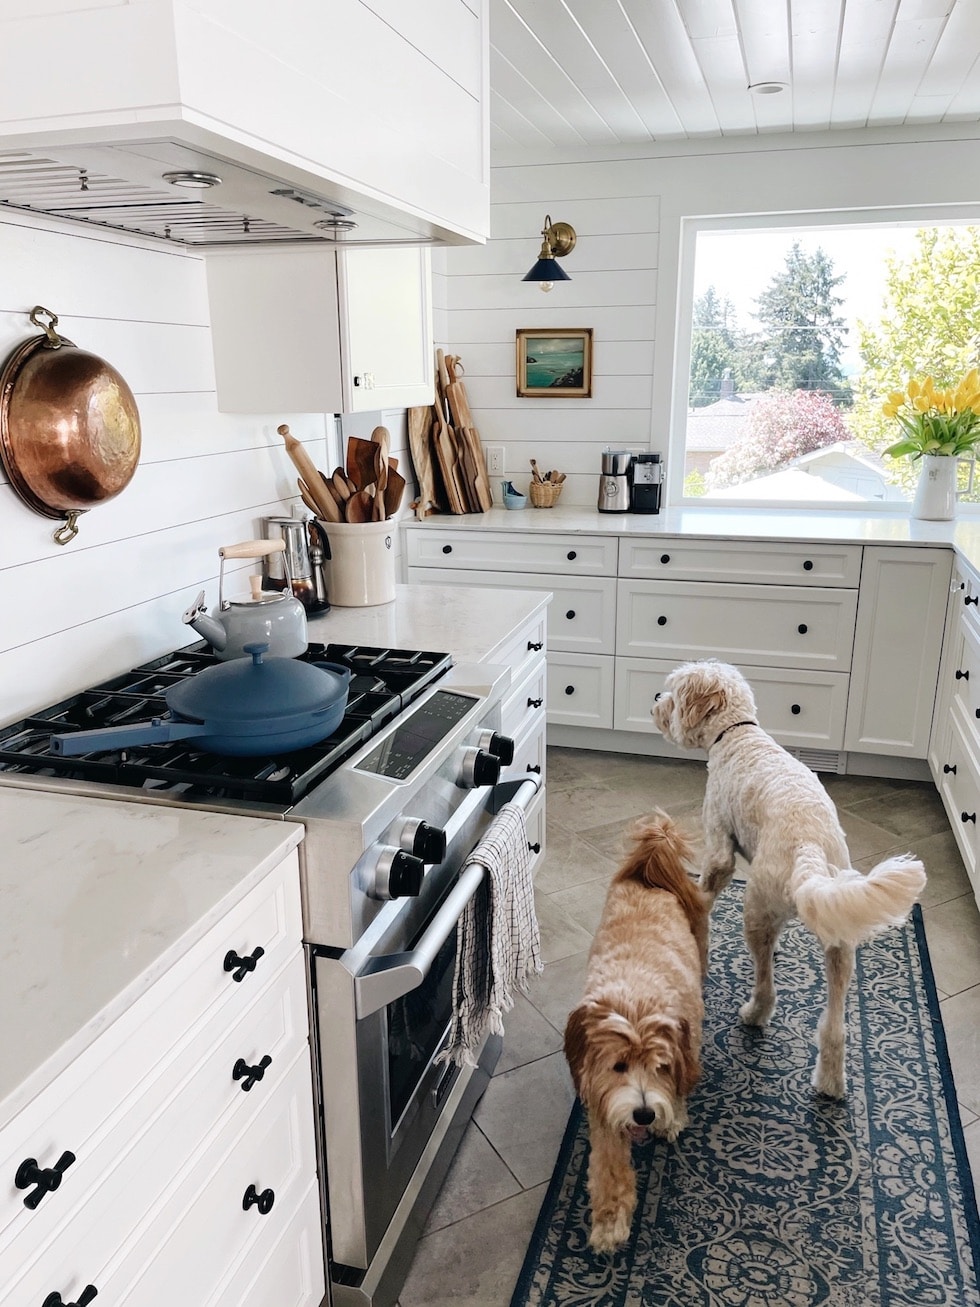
{"x":475,"y":1242}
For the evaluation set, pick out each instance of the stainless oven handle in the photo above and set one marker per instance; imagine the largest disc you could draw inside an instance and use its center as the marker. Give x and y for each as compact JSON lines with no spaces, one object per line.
{"x":387,"y":978}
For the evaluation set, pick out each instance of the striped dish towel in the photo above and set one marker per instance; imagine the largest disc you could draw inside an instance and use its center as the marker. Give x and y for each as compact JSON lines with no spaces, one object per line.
{"x":498,"y":944}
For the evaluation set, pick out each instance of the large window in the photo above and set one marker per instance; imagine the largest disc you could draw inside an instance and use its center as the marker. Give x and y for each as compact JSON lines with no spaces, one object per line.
{"x":798,"y":333}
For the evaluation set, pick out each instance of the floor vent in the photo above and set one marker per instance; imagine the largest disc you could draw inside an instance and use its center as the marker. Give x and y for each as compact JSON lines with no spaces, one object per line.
{"x":832,"y":760}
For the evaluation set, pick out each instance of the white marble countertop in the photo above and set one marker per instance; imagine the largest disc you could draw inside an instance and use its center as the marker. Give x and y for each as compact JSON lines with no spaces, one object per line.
{"x":100,"y":898}
{"x":884,"y":528}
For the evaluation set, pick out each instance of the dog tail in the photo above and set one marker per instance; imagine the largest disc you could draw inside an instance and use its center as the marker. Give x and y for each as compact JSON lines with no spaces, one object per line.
{"x":659,"y":859}
{"x":845,"y":906}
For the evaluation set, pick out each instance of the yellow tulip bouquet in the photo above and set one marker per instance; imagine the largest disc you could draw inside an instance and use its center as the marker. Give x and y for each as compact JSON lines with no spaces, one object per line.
{"x":944,"y":422}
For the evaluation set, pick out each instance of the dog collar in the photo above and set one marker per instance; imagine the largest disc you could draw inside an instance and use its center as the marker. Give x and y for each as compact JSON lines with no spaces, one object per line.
{"x":729,"y":728}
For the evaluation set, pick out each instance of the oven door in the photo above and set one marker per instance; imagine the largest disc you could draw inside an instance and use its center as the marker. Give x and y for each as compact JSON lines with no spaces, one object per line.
{"x":382,"y":1018}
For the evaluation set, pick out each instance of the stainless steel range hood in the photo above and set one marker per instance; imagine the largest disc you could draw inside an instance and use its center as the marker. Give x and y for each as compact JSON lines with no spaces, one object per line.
{"x":168,"y":191}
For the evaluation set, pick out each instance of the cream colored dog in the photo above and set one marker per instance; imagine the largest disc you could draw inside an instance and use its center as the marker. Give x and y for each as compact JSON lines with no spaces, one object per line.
{"x":633,"y":1043}
{"x":762,"y":802}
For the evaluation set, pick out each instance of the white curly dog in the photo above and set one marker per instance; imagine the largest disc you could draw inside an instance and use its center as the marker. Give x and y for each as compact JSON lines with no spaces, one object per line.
{"x":765,"y":804}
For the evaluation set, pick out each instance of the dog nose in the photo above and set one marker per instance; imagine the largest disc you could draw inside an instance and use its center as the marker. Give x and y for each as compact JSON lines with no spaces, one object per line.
{"x":643,"y":1116}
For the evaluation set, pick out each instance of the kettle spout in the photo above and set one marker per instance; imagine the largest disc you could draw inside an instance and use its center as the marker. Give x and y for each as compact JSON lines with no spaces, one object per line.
{"x":197,"y":618}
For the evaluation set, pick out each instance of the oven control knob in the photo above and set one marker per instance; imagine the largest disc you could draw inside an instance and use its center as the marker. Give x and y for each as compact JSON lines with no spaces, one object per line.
{"x":424,"y":841}
{"x":479,"y":768}
{"x":501,"y":746}
{"x":397,"y":874}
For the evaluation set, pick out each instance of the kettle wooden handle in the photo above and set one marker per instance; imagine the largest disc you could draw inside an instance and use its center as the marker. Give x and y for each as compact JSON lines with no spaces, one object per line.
{"x":253,"y":549}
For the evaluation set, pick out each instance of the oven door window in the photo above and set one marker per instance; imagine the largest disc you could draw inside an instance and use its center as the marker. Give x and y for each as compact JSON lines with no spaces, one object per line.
{"x":417,"y":1026}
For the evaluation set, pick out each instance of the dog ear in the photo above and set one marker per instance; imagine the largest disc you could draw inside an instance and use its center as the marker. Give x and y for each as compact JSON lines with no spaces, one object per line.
{"x":699,"y":697}
{"x":687,"y":1072}
{"x":576,"y":1043}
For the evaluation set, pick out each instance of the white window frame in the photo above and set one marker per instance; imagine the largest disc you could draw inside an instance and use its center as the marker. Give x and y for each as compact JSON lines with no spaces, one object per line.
{"x":690,"y":226}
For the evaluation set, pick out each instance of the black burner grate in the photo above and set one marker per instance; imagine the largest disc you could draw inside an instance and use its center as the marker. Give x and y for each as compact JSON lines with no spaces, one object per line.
{"x":383,"y":682}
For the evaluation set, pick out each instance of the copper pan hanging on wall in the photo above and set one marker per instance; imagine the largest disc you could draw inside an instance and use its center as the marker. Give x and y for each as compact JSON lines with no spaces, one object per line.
{"x":69,"y":427}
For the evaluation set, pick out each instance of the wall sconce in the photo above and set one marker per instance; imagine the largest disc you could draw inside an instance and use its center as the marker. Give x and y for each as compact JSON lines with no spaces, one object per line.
{"x":558,"y":240}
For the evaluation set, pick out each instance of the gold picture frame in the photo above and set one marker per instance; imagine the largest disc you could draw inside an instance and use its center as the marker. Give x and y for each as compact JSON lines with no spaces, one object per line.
{"x":554,"y":362}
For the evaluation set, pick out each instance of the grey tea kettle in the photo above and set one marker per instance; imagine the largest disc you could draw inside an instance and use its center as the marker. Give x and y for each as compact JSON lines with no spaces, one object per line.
{"x":273,"y":618}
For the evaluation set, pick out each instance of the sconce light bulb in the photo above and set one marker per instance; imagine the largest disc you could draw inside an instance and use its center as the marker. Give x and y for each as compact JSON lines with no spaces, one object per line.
{"x":545,"y":285}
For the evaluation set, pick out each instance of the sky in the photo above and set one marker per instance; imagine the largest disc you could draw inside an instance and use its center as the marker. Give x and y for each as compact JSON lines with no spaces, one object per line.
{"x":741,"y":264}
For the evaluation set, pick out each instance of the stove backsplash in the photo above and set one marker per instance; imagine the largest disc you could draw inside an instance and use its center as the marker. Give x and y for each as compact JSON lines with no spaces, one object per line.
{"x":113,"y":597}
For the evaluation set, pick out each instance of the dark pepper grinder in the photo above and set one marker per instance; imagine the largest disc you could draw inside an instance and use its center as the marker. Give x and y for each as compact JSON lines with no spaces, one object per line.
{"x":647,"y":486}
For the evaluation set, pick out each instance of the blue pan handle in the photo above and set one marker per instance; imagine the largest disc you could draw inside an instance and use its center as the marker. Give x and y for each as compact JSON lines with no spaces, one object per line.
{"x":160,"y":730}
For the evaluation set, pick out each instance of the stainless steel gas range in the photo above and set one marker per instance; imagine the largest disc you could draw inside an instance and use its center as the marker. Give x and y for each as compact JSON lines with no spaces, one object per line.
{"x":393,"y":803}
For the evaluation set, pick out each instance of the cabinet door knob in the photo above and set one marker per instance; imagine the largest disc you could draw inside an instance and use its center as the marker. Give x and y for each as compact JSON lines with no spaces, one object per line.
{"x":263,"y":1201}
{"x":961,"y":675}
{"x":571,"y":555}
{"x":242,"y":966}
{"x":535,"y":767}
{"x":534,"y":645}
{"x":570,"y":614}
{"x":84,"y":1298}
{"x":972,"y":599}
{"x":535,"y":703}
{"x":802,"y":628}
{"x":447,"y":549}
{"x":808,"y":565}
{"x":248,"y":1075}
{"x":569,"y":689}
{"x":665,"y":558}
{"x":47,"y":1179}
{"x":661,"y":620}
{"x":795,"y":709}
{"x":968,"y":816}
{"x":949,"y":768}
{"x":534,"y":848}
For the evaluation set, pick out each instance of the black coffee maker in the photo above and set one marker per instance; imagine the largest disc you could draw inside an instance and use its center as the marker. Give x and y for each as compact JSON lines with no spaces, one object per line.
{"x":646,"y":489}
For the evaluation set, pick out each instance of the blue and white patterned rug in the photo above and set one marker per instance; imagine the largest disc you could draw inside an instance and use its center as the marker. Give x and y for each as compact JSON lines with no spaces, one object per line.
{"x":774,"y":1196}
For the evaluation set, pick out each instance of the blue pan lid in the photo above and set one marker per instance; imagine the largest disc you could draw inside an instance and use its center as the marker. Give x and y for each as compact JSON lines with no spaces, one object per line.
{"x":258,"y":689}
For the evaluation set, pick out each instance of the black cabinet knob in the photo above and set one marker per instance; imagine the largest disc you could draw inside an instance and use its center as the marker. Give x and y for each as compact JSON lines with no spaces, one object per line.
{"x":534,"y":645}
{"x":248,"y":1075}
{"x":961,"y":675}
{"x":263,"y":1201}
{"x":968,"y":816}
{"x":535,"y":703}
{"x":795,"y":709}
{"x":84,"y":1298}
{"x":242,"y":966}
{"x":534,"y":848}
{"x":535,"y":767}
{"x":665,"y":558}
{"x":571,"y":555}
{"x":47,"y":1179}
{"x":661,"y":621}
{"x":972,"y":599}
{"x":802,"y":628}
{"x":447,"y":549}
{"x":808,"y":565}
{"x":570,"y":614}
{"x":949,"y":768}
{"x":569,"y":689}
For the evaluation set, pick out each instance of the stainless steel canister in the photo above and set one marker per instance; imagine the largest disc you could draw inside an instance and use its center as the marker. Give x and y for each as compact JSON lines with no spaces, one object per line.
{"x":295,"y":534}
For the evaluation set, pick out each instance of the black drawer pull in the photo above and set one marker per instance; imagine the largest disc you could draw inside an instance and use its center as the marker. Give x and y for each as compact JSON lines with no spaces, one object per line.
{"x":795,"y":709}
{"x":250,"y":1074}
{"x":535,"y":767}
{"x":534,"y":645}
{"x":661,"y":620}
{"x":972,"y":599}
{"x":535,"y":703}
{"x":808,"y":565}
{"x":802,"y":628}
{"x":569,"y":689}
{"x":447,"y":549}
{"x":571,"y":555}
{"x":949,"y":768}
{"x":534,"y":848}
{"x":242,"y":966}
{"x":47,"y":1179}
{"x":976,"y":713}
{"x":665,"y":558}
{"x":84,"y":1298}
{"x":968,"y":816}
{"x":962,"y":676}
{"x":570,"y":614}
{"x":263,"y":1201}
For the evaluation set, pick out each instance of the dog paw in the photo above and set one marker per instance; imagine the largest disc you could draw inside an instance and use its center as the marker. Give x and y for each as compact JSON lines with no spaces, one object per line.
{"x":609,"y":1234}
{"x":756,"y":1013}
{"x":832,"y":1084}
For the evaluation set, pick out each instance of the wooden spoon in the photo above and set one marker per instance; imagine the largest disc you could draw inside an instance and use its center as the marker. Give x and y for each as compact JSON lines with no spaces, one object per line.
{"x":360,"y":507}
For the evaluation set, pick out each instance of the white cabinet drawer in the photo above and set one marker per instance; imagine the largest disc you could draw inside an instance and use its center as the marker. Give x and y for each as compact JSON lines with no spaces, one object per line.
{"x":775,"y":626}
{"x":679,"y":559}
{"x":110,"y":1092}
{"x":965,"y":679}
{"x":536,"y":830}
{"x":802,"y":710}
{"x":511,"y":551}
{"x":530,"y":753}
{"x":525,"y":699}
{"x":582,"y":616}
{"x":522,"y":650}
{"x":959,"y":786}
{"x":580,"y":690}
{"x":291,"y":1274}
{"x":121,"y":1180}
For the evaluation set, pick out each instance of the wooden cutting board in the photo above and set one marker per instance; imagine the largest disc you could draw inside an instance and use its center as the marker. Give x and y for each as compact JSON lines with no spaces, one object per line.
{"x":420,"y":427}
{"x":446,"y":458}
{"x":480,"y":481}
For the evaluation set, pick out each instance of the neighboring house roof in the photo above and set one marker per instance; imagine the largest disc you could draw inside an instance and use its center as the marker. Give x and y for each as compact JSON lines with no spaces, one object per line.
{"x":717,"y":426}
{"x":788,"y":484}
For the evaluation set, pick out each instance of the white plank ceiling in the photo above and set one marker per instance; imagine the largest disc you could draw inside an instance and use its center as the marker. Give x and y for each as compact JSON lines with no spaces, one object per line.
{"x":573,"y":73}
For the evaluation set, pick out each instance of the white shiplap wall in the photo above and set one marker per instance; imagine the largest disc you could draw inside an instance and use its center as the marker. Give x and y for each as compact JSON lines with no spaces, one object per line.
{"x":77,"y":614}
{"x":627,"y":208}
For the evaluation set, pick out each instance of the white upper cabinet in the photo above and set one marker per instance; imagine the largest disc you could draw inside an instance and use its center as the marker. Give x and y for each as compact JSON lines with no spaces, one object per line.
{"x":310,"y":331}
{"x":378,"y":105}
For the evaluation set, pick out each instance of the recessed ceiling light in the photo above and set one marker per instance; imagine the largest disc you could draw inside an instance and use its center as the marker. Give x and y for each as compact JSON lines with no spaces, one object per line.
{"x":767,"y":88}
{"x":193,"y":181}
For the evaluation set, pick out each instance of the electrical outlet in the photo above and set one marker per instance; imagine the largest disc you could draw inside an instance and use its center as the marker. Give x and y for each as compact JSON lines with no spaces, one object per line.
{"x":495,"y":460}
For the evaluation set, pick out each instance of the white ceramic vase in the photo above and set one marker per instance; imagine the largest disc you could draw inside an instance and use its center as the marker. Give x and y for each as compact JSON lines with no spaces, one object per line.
{"x":935,"y":495}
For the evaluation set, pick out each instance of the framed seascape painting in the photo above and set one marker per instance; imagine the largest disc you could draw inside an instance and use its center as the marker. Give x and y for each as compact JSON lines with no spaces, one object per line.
{"x":555,"y":361}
